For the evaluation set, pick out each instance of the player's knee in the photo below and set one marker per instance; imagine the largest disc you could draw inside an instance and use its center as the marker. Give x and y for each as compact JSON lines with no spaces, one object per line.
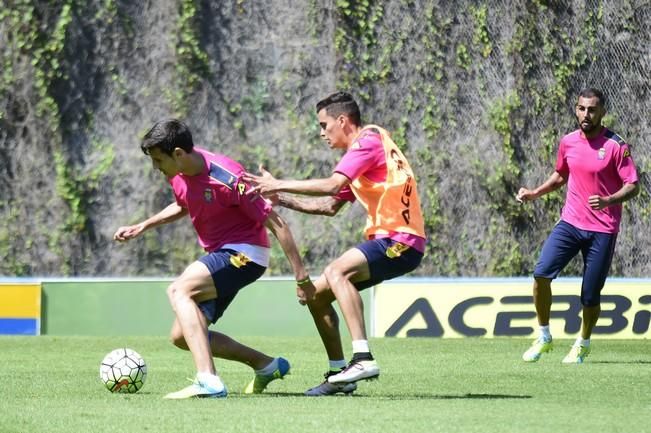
{"x":179,"y":342}
{"x":333,"y":275}
{"x":322,"y":297}
{"x":176,"y":291}
{"x":171,"y":292}
{"x":590,"y":300}
{"x":542,"y":282}
{"x":177,"y":339}
{"x":319,"y":304}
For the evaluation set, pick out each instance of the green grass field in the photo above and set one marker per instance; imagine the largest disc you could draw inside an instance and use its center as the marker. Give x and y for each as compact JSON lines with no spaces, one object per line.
{"x":51,"y":384}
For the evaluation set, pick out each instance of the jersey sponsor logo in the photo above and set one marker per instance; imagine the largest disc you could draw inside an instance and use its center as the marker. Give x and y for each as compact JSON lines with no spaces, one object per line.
{"x":223,"y":176}
{"x":627,"y":153}
{"x":395,"y":156}
{"x":404,"y":199}
{"x":241,"y":188}
{"x":407,"y":189}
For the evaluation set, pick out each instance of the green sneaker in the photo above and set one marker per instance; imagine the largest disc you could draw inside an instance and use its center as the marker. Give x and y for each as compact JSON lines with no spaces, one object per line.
{"x":197,"y":390}
{"x":260,"y":381}
{"x":577,"y":355}
{"x":538,"y":347}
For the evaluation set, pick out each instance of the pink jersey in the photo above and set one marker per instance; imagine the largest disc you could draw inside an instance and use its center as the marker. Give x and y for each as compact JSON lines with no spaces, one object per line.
{"x":221,"y":210}
{"x":366,"y":158}
{"x":596,"y":166}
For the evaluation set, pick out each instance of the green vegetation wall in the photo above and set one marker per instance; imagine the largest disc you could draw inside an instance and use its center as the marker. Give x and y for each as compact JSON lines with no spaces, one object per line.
{"x":477,"y":93}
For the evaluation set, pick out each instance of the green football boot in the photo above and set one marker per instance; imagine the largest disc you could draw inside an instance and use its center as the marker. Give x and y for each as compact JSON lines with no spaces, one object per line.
{"x":540,"y":346}
{"x":577,"y":355}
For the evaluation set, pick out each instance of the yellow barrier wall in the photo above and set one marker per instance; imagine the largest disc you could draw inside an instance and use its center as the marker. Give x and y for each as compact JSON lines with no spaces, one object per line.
{"x":20,"y":308}
{"x":496,"y":308}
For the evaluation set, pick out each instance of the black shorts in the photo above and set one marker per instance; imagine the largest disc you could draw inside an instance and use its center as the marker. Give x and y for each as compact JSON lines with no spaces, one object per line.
{"x":566,"y":241}
{"x":230,"y":272}
{"x":387,"y":259}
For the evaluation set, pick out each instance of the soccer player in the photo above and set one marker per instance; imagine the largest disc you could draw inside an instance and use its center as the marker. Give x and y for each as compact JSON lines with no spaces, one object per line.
{"x":376,"y":173}
{"x":597,"y":167}
{"x":230,"y":222}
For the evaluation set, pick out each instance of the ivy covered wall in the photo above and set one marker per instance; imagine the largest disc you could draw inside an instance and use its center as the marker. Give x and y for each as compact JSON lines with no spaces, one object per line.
{"x":477,"y":94}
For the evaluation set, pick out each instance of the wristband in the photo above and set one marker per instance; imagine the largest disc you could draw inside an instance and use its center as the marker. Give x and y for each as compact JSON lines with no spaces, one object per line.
{"x":303,"y":281}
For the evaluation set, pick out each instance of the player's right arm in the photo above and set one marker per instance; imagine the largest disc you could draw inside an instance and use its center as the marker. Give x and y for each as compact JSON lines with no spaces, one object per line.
{"x":304,"y":287}
{"x":268,"y":185}
{"x":326,"y":205}
{"x":552,"y":183}
{"x":170,"y":214}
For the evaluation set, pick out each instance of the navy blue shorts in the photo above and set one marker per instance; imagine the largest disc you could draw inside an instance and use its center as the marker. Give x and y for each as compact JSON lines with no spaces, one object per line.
{"x":230,"y":272}
{"x":565,"y":242}
{"x":387,"y":259}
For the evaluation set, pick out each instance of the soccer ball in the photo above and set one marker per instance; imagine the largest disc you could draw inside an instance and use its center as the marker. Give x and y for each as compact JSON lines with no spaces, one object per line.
{"x":123,"y":370}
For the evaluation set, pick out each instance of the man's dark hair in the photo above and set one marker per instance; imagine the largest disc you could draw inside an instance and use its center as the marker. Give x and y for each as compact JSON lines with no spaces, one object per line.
{"x":341,"y":103}
{"x":591,"y":92}
{"x":167,"y":135}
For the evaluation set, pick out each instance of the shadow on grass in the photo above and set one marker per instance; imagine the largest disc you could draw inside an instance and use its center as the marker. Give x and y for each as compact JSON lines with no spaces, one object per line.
{"x":620,"y":362}
{"x":406,"y":396}
{"x":453,"y":397}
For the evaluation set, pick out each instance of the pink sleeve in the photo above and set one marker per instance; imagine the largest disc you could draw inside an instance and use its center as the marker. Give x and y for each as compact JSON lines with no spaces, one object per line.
{"x":362,"y":156}
{"x":178,"y":188}
{"x":345,"y":194}
{"x":561,"y":162}
{"x":625,"y":165}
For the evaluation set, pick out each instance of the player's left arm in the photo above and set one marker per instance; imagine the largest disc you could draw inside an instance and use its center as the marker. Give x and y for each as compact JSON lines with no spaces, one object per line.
{"x":267,"y":184}
{"x":628,"y":174}
{"x":626,"y":192}
{"x":281,"y":231}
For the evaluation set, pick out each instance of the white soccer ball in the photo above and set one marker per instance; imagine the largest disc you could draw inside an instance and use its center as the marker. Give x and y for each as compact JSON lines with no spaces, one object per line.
{"x":123,"y":370}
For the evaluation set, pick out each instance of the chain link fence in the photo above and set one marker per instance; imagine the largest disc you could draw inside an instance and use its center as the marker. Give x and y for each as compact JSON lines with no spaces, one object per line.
{"x":571,"y":46}
{"x":477,"y":93}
